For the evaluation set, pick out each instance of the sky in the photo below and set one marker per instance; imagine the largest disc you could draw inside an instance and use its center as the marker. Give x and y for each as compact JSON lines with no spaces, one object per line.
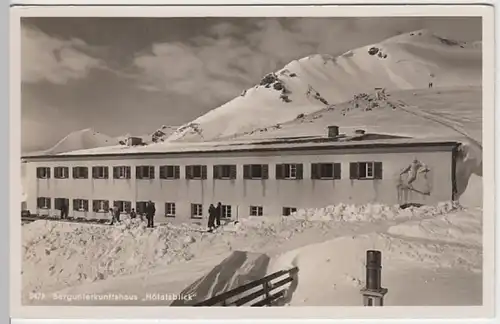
{"x":133,"y":75}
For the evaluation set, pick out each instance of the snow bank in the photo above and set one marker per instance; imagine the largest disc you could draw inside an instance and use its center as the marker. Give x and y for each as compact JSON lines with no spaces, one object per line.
{"x":457,"y":227}
{"x":332,"y":273}
{"x":57,"y":255}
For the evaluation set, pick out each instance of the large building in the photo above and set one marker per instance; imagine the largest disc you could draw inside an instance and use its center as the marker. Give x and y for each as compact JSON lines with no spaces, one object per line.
{"x":249,"y":178}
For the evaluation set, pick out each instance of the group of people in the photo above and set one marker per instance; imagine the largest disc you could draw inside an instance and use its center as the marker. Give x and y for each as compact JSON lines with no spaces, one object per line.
{"x":214,"y":216}
{"x":150,"y":211}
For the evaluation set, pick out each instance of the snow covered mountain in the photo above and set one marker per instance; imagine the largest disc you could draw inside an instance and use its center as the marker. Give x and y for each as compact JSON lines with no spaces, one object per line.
{"x":79,"y":140}
{"x":407,"y":61}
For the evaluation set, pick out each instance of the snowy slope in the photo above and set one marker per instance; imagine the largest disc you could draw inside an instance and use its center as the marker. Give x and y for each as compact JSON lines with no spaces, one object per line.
{"x":408,"y":61}
{"x":79,"y":140}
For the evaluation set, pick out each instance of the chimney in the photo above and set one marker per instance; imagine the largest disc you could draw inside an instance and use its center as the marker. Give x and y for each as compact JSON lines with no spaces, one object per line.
{"x":333,"y":131}
{"x":132,"y":141}
{"x":359,"y":131}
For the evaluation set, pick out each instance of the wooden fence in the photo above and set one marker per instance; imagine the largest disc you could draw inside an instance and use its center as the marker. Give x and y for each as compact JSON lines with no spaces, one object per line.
{"x":266,"y":288}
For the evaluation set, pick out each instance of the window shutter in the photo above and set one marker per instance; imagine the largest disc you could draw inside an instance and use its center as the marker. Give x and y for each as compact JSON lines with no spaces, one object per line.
{"x":38,"y":202}
{"x":353,"y":170}
{"x":163,"y":172}
{"x":216,"y":172}
{"x":48,"y":173}
{"x":337,"y":172}
{"x":265,"y":171}
{"x":128,"y":172}
{"x":138,"y":173}
{"x":204,"y":172}
{"x":106,"y":172}
{"x":315,"y":171}
{"x":151,"y":172}
{"x":49,"y":203}
{"x":280,"y":168}
{"x":38,"y":173}
{"x":86,"y":205}
{"x":192,"y":210}
{"x":75,"y":204}
{"x":300,"y":171}
{"x":378,"y":170}
{"x":128,"y":206}
{"x":95,"y":204}
{"x":246,"y":172}
{"x":74,"y":172}
{"x":232,"y":171}
{"x":189,"y":173}
{"x":94,"y":172}
{"x":177,"y":172}
{"x":85,"y":172}
{"x":116,"y":173}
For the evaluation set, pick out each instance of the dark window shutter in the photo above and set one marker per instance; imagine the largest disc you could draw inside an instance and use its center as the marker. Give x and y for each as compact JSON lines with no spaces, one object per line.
{"x":163,"y":172}
{"x":204,"y":172}
{"x":94,"y":172}
{"x":353,"y":170}
{"x":188,"y":171}
{"x":48,"y":173}
{"x":115,"y":172}
{"x":86,"y":205}
{"x":95,"y":205}
{"x":216,"y":172}
{"x":39,"y":202}
{"x":85,"y":173}
{"x":128,"y":172}
{"x":75,"y":204}
{"x":315,"y":171}
{"x":232,"y":171}
{"x":246,"y":172}
{"x":74,"y":172}
{"x":300,"y":171}
{"x":49,"y":203}
{"x":151,"y":172}
{"x":336,"y":171}
{"x":106,"y":172}
{"x":177,"y":172}
{"x":265,"y":171}
{"x":280,"y":168}
{"x":138,"y":173}
{"x":192,"y":209}
{"x":378,"y":170}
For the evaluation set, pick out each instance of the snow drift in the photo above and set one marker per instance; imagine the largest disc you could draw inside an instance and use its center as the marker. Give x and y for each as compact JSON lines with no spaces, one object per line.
{"x":408,"y":61}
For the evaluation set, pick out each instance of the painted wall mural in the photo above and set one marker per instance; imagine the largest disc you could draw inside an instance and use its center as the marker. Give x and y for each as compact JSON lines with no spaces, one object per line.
{"x":415,"y":178}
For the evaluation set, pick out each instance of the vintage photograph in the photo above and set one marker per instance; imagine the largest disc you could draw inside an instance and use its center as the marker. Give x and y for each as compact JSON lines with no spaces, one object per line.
{"x":251,"y":161}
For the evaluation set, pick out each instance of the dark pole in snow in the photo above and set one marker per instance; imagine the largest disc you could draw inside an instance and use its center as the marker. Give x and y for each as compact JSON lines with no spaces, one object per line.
{"x":373,"y":293}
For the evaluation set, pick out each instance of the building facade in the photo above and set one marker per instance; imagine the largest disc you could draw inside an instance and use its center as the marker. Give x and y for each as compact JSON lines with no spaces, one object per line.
{"x":248,"y":180}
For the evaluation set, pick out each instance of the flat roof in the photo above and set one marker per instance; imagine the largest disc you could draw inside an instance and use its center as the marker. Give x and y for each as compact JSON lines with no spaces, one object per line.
{"x":250,"y":146}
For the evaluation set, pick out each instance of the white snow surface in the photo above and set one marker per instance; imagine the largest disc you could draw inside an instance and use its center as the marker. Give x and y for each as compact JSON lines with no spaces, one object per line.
{"x":409,"y":61}
{"x":131,"y":259}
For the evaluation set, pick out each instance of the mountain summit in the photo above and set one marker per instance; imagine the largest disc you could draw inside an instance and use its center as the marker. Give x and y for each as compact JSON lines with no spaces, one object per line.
{"x":408,"y":61}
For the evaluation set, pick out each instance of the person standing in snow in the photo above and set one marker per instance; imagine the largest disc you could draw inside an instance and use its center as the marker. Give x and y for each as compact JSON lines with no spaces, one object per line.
{"x":150,"y":213}
{"x":112,"y":214}
{"x":133,"y":214}
{"x":218,"y":212}
{"x":211,"y":217}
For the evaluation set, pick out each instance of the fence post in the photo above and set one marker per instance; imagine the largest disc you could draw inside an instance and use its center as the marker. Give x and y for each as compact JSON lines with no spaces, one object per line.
{"x":373,"y":293}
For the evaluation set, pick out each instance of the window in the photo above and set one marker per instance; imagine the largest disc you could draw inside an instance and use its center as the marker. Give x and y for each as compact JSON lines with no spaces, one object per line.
{"x":256,"y":171}
{"x":80,"y":173}
{"x":80,"y":205}
{"x":100,"y":172}
{"x":100,"y":206}
{"x":256,"y":211}
{"x":43,"y":203}
{"x":196,"y":172}
{"x":225,"y":172}
{"x":121,"y":172}
{"x":170,"y":209}
{"x":145,"y":172}
{"x":140,"y":207}
{"x":327,"y":171}
{"x":43,"y":173}
{"x":170,"y":172}
{"x":196,"y":210}
{"x":60,"y":202}
{"x":366,"y":170}
{"x":123,"y":206}
{"x":289,"y":171}
{"x":61,"y":172}
{"x":287,"y":211}
{"x":226,"y":211}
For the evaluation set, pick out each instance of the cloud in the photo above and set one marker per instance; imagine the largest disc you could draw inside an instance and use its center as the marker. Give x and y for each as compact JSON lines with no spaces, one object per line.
{"x":46,"y":58}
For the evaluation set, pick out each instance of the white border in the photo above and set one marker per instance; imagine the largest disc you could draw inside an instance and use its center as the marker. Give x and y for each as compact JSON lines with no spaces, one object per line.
{"x":237,"y":313}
